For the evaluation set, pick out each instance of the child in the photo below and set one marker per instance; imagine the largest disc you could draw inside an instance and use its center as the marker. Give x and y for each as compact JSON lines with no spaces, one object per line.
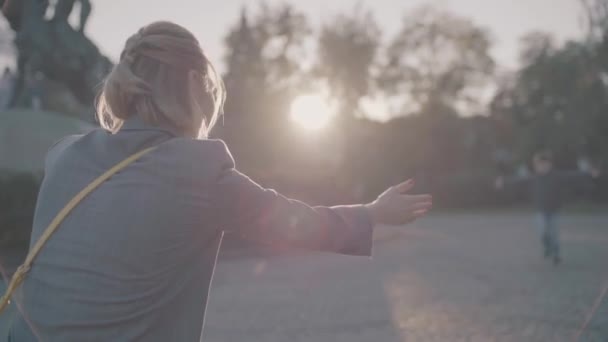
{"x":547,"y":188}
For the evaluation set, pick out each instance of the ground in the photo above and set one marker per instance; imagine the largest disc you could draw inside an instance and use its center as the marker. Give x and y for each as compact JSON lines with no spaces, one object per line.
{"x":452,"y":277}
{"x":458,"y":277}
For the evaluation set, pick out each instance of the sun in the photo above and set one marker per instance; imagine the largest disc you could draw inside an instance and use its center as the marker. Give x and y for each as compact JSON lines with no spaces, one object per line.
{"x":311,"y":112}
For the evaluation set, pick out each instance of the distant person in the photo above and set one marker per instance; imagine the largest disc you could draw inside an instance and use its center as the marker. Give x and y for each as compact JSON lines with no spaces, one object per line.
{"x":7,"y":83}
{"x":35,"y":88}
{"x":134,"y":260}
{"x":548,"y":187}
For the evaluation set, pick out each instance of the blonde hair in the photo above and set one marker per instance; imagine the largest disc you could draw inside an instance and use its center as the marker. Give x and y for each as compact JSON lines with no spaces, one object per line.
{"x":163,"y":77}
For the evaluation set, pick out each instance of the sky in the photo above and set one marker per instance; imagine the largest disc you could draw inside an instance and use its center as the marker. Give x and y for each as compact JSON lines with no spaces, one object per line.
{"x":113,"y":21}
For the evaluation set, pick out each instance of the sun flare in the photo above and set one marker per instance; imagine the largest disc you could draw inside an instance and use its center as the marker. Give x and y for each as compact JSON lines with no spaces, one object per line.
{"x":311,"y":112}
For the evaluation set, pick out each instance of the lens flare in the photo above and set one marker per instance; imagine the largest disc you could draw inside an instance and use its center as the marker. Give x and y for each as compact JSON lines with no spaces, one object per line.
{"x":311,"y":112}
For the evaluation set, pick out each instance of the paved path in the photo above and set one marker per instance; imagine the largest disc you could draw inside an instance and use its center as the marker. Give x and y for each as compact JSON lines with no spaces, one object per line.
{"x":448,"y":278}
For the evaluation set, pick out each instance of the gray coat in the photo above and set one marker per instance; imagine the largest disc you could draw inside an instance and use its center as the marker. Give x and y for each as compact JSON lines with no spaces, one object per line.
{"x":134,"y":261}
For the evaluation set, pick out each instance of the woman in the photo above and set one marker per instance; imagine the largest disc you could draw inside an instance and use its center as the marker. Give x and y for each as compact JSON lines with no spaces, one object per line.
{"x":134,"y":260}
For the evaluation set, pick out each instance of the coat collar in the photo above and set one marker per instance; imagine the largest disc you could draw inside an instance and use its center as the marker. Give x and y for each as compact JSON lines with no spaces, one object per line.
{"x":135,"y":123}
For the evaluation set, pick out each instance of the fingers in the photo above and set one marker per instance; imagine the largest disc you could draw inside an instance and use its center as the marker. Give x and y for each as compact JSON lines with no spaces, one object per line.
{"x":395,"y":206}
{"x":420,"y":198}
{"x":422,"y":206}
{"x":405,"y":186}
{"x":418,"y":214}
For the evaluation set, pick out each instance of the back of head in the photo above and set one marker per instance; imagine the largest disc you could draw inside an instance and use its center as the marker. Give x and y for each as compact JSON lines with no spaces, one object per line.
{"x":163,"y":77}
{"x":544,"y":156}
{"x":543,"y":162}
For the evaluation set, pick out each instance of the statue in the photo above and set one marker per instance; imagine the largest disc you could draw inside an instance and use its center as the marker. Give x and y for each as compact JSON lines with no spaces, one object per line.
{"x":64,"y":8}
{"x":54,"y":48}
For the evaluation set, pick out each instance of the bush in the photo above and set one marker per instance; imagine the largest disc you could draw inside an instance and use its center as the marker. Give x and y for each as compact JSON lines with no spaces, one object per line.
{"x":18,"y":193}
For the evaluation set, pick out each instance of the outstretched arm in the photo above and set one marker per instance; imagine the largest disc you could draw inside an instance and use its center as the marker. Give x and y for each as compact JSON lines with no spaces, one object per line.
{"x":264,"y":215}
{"x":503,"y":182}
{"x":578,"y":179}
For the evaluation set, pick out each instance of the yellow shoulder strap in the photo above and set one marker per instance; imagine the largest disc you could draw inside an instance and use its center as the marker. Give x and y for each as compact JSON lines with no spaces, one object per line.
{"x":19,"y":275}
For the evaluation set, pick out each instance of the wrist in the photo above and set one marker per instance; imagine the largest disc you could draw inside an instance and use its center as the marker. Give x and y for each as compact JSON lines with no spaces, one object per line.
{"x":372,"y":213}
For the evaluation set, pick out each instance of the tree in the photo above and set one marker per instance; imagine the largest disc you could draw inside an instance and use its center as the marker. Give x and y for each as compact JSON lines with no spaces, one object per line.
{"x":556,"y":100}
{"x":245,"y":75}
{"x":265,"y":50}
{"x":596,"y":18}
{"x":437,"y":57}
{"x":347,"y":50}
{"x":264,"y":59}
{"x":536,"y":46}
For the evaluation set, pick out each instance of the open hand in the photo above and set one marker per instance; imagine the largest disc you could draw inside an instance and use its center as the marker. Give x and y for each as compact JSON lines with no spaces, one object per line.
{"x":396,"y":207}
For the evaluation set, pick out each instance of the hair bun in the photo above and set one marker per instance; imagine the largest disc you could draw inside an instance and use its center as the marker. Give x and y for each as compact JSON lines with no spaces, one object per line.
{"x":164,"y":77}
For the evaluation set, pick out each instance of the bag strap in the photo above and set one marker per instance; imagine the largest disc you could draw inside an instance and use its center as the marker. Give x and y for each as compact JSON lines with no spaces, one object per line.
{"x":22,"y":270}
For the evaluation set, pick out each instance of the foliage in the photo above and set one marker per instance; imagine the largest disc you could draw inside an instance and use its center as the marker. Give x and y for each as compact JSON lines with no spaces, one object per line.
{"x":435,"y":73}
{"x":18,"y":194}
{"x":438,"y":70}
{"x":347,"y":50}
{"x":262,"y":56}
{"x":557,"y":100}
{"x":438,"y":57}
